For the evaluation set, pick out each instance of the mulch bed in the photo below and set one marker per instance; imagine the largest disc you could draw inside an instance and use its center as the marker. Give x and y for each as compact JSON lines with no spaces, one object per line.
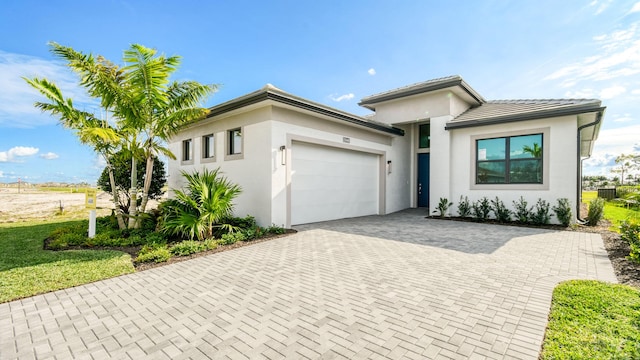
{"x":134,"y":250}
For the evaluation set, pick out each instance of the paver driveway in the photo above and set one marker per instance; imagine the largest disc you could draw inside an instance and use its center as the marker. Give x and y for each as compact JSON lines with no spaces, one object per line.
{"x":395,"y":286}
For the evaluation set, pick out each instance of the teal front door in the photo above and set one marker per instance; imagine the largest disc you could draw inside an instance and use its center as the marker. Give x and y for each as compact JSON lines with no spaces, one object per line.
{"x":423,"y":180}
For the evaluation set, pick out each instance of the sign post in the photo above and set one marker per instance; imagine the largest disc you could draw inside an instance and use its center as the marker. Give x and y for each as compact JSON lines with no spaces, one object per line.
{"x":90,"y":203}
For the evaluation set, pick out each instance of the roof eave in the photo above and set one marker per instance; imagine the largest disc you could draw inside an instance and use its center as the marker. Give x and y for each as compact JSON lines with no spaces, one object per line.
{"x":523,"y":117}
{"x":283,"y":98}
{"x":369,"y":102}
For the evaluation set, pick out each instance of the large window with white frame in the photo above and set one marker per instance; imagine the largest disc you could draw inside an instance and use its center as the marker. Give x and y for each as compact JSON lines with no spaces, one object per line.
{"x":510,"y":160}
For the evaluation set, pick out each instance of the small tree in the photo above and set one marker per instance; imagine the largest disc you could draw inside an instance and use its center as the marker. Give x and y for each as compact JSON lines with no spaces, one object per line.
{"x":121,"y":166}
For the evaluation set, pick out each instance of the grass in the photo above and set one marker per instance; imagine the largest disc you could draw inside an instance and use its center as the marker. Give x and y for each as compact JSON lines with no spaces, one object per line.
{"x":612,"y":211}
{"x":593,"y":320}
{"x":26,"y":269}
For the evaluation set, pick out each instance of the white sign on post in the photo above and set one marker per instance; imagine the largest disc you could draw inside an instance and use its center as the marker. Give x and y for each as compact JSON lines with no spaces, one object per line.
{"x":90,"y":203}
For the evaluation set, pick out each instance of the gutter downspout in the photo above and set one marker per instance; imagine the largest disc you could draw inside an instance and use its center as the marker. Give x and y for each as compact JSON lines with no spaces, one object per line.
{"x":580,"y":160}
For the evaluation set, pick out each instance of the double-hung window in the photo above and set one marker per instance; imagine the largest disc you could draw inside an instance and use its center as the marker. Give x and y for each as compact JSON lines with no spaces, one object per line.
{"x":187,"y":150}
{"x":208,"y":146}
{"x":510,"y":160}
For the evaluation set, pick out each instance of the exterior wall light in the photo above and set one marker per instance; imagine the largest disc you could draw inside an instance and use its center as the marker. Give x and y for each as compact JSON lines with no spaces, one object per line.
{"x":388,"y":166}
{"x":283,"y":159}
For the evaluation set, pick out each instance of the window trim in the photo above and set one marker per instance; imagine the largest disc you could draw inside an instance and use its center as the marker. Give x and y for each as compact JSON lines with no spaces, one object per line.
{"x":418,"y":132}
{"x":203,"y":139}
{"x":546,"y":150}
{"x":229,"y":144}
{"x":184,"y":160}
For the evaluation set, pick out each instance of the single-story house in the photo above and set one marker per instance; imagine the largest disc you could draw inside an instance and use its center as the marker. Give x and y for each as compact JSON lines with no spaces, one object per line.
{"x":299,"y":161}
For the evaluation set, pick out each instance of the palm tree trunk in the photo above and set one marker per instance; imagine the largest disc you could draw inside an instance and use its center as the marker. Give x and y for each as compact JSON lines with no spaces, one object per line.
{"x":148,"y":177}
{"x":116,"y":200}
{"x":133,"y":202}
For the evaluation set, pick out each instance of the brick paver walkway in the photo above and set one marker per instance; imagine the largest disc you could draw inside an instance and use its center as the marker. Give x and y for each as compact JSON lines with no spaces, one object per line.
{"x":392,"y":287}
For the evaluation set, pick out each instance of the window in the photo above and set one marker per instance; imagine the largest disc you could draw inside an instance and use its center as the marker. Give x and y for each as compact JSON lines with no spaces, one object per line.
{"x":424,"y":137}
{"x":509,"y":160}
{"x":208,"y":147}
{"x":186,"y":150}
{"x":235,"y":142}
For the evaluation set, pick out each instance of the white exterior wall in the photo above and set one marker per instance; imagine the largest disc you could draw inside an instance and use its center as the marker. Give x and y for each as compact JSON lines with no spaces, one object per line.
{"x":440,"y":166}
{"x":418,"y":107}
{"x":251,"y":172}
{"x":561,"y":170}
{"x":287,"y":125}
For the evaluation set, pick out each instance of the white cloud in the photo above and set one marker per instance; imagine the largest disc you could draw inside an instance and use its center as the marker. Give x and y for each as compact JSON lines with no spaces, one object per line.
{"x":618,"y":56}
{"x":49,"y":156}
{"x":341,"y":97}
{"x":1,"y":174}
{"x":15,"y":152}
{"x":613,"y":91}
{"x":601,"y":5}
{"x":580,"y":94}
{"x":372,"y":71}
{"x":17,"y":97}
{"x":635,"y":8}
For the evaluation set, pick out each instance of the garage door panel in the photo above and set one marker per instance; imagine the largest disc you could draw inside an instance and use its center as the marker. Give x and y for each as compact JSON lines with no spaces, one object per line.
{"x":331,"y":183}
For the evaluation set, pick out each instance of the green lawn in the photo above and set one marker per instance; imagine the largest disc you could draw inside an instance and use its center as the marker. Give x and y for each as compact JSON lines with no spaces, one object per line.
{"x":593,"y":320}
{"x":612,"y":211}
{"x":26,"y":269}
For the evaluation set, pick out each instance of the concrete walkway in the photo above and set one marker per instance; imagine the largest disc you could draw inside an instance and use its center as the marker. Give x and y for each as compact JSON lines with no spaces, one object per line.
{"x":393,"y":287}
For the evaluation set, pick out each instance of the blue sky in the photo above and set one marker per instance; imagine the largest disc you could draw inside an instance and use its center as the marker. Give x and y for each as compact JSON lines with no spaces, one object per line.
{"x":326,"y":51}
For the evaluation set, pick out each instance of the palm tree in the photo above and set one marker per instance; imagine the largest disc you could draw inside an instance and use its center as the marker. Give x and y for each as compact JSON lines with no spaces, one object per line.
{"x":535,"y":151}
{"x":90,"y":130}
{"x":206,"y":202}
{"x":147,"y":108}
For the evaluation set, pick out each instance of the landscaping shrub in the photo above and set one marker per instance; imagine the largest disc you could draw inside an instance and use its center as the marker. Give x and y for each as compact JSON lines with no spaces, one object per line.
{"x":72,"y":238}
{"x":253,"y":233}
{"x":201,"y":208}
{"x":231,"y":238}
{"x":563,"y":211}
{"x":540,"y":216}
{"x":464,"y":207}
{"x":522,"y":211}
{"x":275,"y":229}
{"x":630,"y":232}
{"x":187,"y":247}
{"x":500,"y":211}
{"x":210,"y":244}
{"x":153,"y":253}
{"x":443,"y":206}
{"x":596,"y":211}
{"x":155,"y":238}
{"x":481,"y":209}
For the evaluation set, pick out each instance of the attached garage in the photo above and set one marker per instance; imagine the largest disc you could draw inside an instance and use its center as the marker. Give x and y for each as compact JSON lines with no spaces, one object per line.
{"x":330,"y":183}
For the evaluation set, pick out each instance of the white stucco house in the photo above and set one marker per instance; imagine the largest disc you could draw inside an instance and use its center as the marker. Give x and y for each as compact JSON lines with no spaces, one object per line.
{"x":299,"y":161}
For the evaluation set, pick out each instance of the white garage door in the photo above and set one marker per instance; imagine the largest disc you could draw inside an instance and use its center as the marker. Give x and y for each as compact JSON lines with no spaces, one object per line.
{"x":329,"y":183}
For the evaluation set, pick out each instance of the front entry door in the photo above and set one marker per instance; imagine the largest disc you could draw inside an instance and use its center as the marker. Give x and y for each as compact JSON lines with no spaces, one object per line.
{"x":423,"y":180}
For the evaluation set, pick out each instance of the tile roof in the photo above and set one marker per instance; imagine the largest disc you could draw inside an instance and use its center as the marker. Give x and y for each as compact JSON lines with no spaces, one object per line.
{"x":497,"y":111}
{"x":422,"y":87}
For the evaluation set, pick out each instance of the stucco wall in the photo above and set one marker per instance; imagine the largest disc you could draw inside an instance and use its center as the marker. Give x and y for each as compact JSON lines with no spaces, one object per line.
{"x":418,"y":107}
{"x":562,"y":164}
{"x":251,"y":172}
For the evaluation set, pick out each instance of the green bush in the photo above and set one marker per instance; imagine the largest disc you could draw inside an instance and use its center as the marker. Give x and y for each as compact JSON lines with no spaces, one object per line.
{"x":481,"y":209}
{"x":153,"y":253}
{"x":275,"y":229}
{"x":231,"y":238}
{"x":210,"y":244}
{"x":563,"y":211}
{"x":58,"y":244}
{"x":540,"y":215}
{"x":596,"y":211}
{"x":187,"y":247}
{"x":630,"y":232}
{"x":464,"y":207}
{"x":72,"y":238}
{"x":253,"y":233}
{"x":522,"y":211}
{"x":155,"y":238}
{"x":443,"y":205}
{"x":500,"y":211}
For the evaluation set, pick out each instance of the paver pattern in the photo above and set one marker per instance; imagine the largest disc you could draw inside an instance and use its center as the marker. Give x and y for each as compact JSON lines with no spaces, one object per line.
{"x":377,"y":287}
